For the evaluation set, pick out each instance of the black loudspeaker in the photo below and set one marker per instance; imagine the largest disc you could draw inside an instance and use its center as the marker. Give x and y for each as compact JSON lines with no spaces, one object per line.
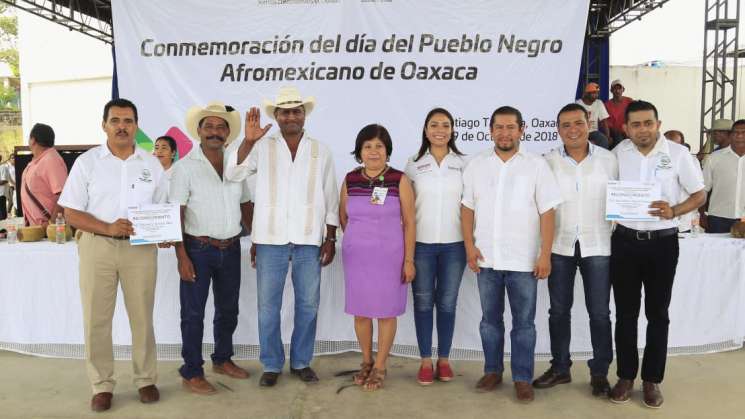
{"x":23,"y":157}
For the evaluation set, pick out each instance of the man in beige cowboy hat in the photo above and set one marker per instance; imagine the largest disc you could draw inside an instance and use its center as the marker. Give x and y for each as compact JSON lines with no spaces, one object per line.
{"x":296,"y":202}
{"x":212,"y":210}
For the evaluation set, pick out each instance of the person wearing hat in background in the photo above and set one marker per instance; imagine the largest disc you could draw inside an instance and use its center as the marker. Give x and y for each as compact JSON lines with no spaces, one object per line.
{"x":43,"y":178}
{"x":718,"y":138}
{"x":296,"y":202}
{"x":211,"y":215}
{"x":616,"y":107}
{"x":103,"y":183}
{"x":597,"y":115}
{"x":724,"y":179}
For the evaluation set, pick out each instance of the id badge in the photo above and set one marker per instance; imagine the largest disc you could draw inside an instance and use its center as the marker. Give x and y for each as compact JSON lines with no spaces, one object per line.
{"x":378,"y":195}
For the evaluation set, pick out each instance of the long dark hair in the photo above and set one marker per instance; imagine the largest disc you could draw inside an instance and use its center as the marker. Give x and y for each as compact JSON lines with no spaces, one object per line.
{"x":425,"y":142}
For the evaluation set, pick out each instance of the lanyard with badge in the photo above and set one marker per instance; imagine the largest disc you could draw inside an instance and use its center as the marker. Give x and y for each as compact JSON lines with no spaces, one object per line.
{"x":379,"y":193}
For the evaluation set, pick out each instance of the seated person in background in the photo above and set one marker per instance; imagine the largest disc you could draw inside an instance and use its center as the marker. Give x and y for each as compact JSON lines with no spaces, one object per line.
{"x":43,"y":179}
{"x":616,"y":107}
{"x":598,"y":115}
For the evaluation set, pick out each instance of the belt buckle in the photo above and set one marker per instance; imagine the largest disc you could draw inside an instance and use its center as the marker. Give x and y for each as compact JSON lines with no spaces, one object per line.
{"x":645,"y":235}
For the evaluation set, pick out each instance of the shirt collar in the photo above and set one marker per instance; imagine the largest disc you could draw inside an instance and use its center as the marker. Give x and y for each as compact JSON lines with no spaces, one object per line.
{"x":661,"y":146}
{"x":590,"y":152}
{"x":104,"y":152}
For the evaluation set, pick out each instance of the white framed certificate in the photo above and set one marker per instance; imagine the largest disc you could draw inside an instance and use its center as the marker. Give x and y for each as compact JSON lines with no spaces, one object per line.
{"x":155,"y":223}
{"x":628,"y":200}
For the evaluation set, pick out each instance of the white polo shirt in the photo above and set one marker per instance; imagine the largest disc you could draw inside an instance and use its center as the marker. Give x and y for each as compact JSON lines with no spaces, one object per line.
{"x":507,"y":199}
{"x":724,"y":177}
{"x":213,"y":205}
{"x":104,"y":185}
{"x":581,"y":215}
{"x":293,"y":200}
{"x":669,"y":164}
{"x":438,"y":189}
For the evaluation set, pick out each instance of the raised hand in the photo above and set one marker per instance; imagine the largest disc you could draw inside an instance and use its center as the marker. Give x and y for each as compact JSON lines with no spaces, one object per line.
{"x":254,"y":132}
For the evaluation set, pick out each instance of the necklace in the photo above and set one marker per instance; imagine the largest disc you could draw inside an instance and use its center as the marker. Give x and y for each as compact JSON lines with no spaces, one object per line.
{"x":380,"y":176}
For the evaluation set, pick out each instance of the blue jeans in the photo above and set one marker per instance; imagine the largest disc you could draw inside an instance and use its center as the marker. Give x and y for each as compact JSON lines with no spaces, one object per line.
{"x":521,"y":290}
{"x":439,"y":270}
{"x":595,"y":272}
{"x":272,"y":263}
{"x":223,"y":268}
{"x":719,"y":224}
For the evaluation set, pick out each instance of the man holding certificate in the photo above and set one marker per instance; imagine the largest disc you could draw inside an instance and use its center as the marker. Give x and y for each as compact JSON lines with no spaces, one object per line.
{"x":212,"y":210}
{"x":103,"y":183}
{"x":644,"y":252}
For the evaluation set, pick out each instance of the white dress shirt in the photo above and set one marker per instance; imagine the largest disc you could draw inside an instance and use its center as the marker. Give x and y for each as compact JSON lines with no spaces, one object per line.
{"x":104,"y":185}
{"x":507,"y":199}
{"x":438,"y":189}
{"x":685,"y":221}
{"x":293,"y":200}
{"x":670,"y":165}
{"x":724,"y":176}
{"x":581,"y":215}
{"x":213,"y":205}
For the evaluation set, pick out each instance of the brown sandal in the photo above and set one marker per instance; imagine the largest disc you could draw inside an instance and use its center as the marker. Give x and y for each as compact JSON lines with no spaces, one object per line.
{"x":361,"y":376}
{"x":374,"y":380}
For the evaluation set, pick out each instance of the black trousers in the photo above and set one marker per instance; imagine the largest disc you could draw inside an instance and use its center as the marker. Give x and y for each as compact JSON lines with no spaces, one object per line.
{"x":3,"y":208}
{"x":635,"y":264}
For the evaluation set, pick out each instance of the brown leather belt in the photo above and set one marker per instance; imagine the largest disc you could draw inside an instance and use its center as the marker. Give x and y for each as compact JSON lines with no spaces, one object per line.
{"x":112,"y":237}
{"x":220,"y":244}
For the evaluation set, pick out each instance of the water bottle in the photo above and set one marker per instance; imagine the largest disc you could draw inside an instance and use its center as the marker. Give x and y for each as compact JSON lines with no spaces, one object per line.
{"x":696,"y":229}
{"x":12,"y":233}
{"x":60,"y":229}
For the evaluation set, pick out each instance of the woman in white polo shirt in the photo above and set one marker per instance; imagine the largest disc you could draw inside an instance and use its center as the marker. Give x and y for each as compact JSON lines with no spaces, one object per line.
{"x":440,"y":256}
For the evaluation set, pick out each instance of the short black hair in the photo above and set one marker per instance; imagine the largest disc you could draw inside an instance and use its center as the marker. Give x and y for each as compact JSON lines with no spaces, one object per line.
{"x":638,"y":106}
{"x":368,"y":133}
{"x":506,"y":110}
{"x":571,"y":107}
{"x":675,"y":131}
{"x":171,"y":142}
{"x":738,"y":122}
{"x":43,"y":134}
{"x":119,"y":103}
{"x":425,"y":142}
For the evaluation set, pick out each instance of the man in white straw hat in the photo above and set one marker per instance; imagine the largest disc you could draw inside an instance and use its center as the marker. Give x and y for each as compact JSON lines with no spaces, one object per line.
{"x":212,"y":210}
{"x":296,"y":202}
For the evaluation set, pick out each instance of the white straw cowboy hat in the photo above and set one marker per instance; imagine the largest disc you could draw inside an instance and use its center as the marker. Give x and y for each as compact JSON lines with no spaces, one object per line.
{"x":215,"y":108}
{"x":288,"y":97}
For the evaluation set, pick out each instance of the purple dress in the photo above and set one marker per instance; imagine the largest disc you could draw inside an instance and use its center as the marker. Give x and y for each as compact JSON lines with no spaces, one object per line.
{"x":373,"y":248}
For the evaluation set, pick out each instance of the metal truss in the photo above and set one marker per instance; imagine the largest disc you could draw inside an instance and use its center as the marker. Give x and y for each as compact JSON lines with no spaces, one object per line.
{"x":719,"y":84}
{"x":90,"y":17}
{"x":608,"y":16}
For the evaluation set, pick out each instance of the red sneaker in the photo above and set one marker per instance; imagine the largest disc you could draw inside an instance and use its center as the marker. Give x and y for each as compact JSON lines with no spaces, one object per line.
{"x":444,"y":373}
{"x":425,"y":376}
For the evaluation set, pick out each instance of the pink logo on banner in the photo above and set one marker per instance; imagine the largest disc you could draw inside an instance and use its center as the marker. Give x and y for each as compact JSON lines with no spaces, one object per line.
{"x":183,"y":143}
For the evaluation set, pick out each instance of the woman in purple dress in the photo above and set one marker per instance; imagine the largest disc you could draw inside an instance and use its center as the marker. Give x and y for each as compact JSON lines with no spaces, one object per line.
{"x":377,"y":214}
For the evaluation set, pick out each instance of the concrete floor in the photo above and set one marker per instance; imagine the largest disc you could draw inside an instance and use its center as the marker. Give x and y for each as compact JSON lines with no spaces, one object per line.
{"x":704,"y":386}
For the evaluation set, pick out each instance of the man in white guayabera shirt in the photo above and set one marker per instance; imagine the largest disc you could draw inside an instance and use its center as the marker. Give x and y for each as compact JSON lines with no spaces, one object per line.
{"x":296,"y":202}
{"x":581,"y":239}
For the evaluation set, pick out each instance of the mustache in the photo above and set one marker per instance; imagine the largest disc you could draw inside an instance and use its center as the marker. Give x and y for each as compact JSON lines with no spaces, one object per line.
{"x":216,"y":137}
{"x":122,"y":131}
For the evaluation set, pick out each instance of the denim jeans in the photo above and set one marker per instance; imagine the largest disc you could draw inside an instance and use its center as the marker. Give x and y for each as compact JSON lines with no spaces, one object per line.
{"x":223,"y":268}
{"x":439,"y":270}
{"x":521,"y":290}
{"x":719,"y":224}
{"x":595,"y":272}
{"x":272,"y":263}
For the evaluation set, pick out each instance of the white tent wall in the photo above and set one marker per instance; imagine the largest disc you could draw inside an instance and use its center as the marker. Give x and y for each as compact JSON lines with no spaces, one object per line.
{"x":65,"y":80}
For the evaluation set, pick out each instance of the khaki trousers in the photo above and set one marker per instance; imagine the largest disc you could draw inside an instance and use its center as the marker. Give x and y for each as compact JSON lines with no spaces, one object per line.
{"x":104,"y":263}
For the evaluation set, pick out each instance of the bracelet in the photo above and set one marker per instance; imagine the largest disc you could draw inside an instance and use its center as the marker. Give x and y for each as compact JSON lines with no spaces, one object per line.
{"x":331,"y":239}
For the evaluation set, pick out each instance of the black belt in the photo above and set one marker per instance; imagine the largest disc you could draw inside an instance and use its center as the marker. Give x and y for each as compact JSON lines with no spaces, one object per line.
{"x":644,"y":235}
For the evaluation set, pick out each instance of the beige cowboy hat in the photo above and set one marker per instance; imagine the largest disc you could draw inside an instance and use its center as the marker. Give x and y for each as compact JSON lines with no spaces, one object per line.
{"x":722,"y":125}
{"x":215,"y":108}
{"x":288,"y":97}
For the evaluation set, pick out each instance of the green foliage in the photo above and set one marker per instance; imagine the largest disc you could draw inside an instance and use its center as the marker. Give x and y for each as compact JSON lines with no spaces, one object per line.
{"x":8,"y":37}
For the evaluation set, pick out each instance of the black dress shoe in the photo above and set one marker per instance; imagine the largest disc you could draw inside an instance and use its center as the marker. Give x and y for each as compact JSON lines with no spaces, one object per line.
{"x":600,"y":386}
{"x":551,"y":378}
{"x":268,"y":379}
{"x":306,"y":374}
